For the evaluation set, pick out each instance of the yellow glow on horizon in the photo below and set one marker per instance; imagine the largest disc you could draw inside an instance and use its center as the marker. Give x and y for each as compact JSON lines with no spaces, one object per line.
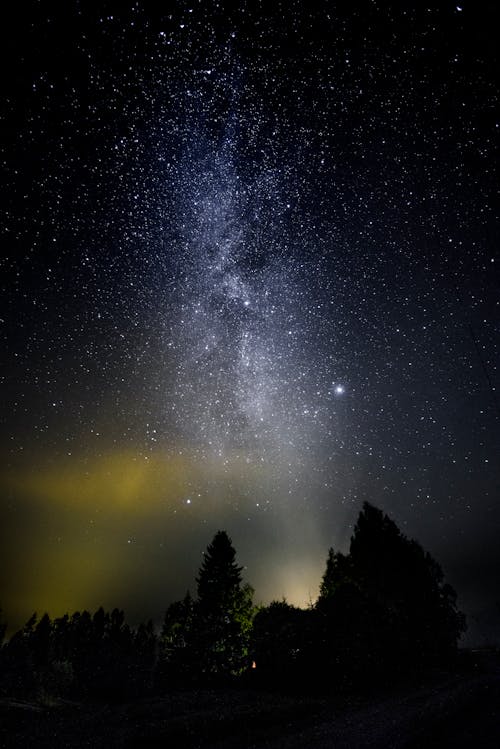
{"x":297,"y":581}
{"x":124,"y":529}
{"x":115,"y":481}
{"x":130,"y":481}
{"x":65,"y":579}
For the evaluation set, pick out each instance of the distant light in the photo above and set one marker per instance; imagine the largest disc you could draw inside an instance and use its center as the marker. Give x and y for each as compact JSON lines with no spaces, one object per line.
{"x":459,"y":8}
{"x":340,"y":389}
{"x":188,"y":501}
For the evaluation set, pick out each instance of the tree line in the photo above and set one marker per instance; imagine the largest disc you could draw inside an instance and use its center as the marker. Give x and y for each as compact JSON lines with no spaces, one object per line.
{"x":383,"y":610}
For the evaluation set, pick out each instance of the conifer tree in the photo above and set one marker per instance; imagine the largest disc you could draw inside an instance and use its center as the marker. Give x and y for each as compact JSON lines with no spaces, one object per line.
{"x":385,"y":605}
{"x":223,"y":611}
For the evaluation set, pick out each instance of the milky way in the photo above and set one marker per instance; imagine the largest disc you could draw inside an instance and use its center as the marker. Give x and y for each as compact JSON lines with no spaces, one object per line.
{"x":249,"y":282}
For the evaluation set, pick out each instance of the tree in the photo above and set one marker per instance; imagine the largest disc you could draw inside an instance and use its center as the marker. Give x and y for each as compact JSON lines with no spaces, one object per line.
{"x":41,"y":642}
{"x":338,"y":572}
{"x":411,"y":584}
{"x":223,"y":611}
{"x":177,"y":656}
{"x":209,"y":637}
{"x":283,"y":644}
{"x":385,"y":606}
{"x":18,"y":663}
{"x":178,"y":623}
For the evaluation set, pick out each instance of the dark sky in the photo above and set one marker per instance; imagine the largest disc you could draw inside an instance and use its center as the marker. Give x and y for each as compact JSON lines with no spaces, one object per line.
{"x":249,"y":280}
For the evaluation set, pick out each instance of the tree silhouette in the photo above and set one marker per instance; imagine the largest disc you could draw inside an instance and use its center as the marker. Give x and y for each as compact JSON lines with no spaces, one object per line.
{"x":385,"y":605}
{"x":219,"y":578}
{"x":82,"y":655}
{"x":209,"y":637}
{"x":223,"y":612}
{"x":338,"y":572}
{"x":382,"y":609}
{"x":283,"y":644}
{"x":410,"y":581}
{"x":41,"y":642}
{"x":177,"y":660}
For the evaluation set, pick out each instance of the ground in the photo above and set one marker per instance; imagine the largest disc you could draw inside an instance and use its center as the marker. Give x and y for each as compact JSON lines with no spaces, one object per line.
{"x":457,"y":708}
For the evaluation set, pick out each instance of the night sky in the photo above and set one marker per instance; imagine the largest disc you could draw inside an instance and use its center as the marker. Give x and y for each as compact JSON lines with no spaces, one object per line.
{"x":249,"y":280}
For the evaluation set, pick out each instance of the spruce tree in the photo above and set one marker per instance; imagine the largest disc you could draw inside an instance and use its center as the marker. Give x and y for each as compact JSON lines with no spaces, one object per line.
{"x":223,"y":612}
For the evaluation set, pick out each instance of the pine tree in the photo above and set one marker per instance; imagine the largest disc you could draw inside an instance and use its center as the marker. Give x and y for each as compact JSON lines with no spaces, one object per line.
{"x":223,"y":611}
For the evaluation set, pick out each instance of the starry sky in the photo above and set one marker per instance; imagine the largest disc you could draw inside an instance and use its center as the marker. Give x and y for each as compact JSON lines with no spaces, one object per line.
{"x":249,"y":280}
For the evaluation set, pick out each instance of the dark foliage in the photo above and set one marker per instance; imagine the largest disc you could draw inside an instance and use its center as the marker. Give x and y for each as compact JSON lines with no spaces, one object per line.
{"x":384,"y":608}
{"x":284,"y":645}
{"x":81,"y":655}
{"x":177,"y":657}
{"x":208,"y":638}
{"x":383,"y":611}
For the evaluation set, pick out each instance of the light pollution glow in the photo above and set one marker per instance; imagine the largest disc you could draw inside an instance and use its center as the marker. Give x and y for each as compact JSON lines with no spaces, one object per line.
{"x":128,"y":528}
